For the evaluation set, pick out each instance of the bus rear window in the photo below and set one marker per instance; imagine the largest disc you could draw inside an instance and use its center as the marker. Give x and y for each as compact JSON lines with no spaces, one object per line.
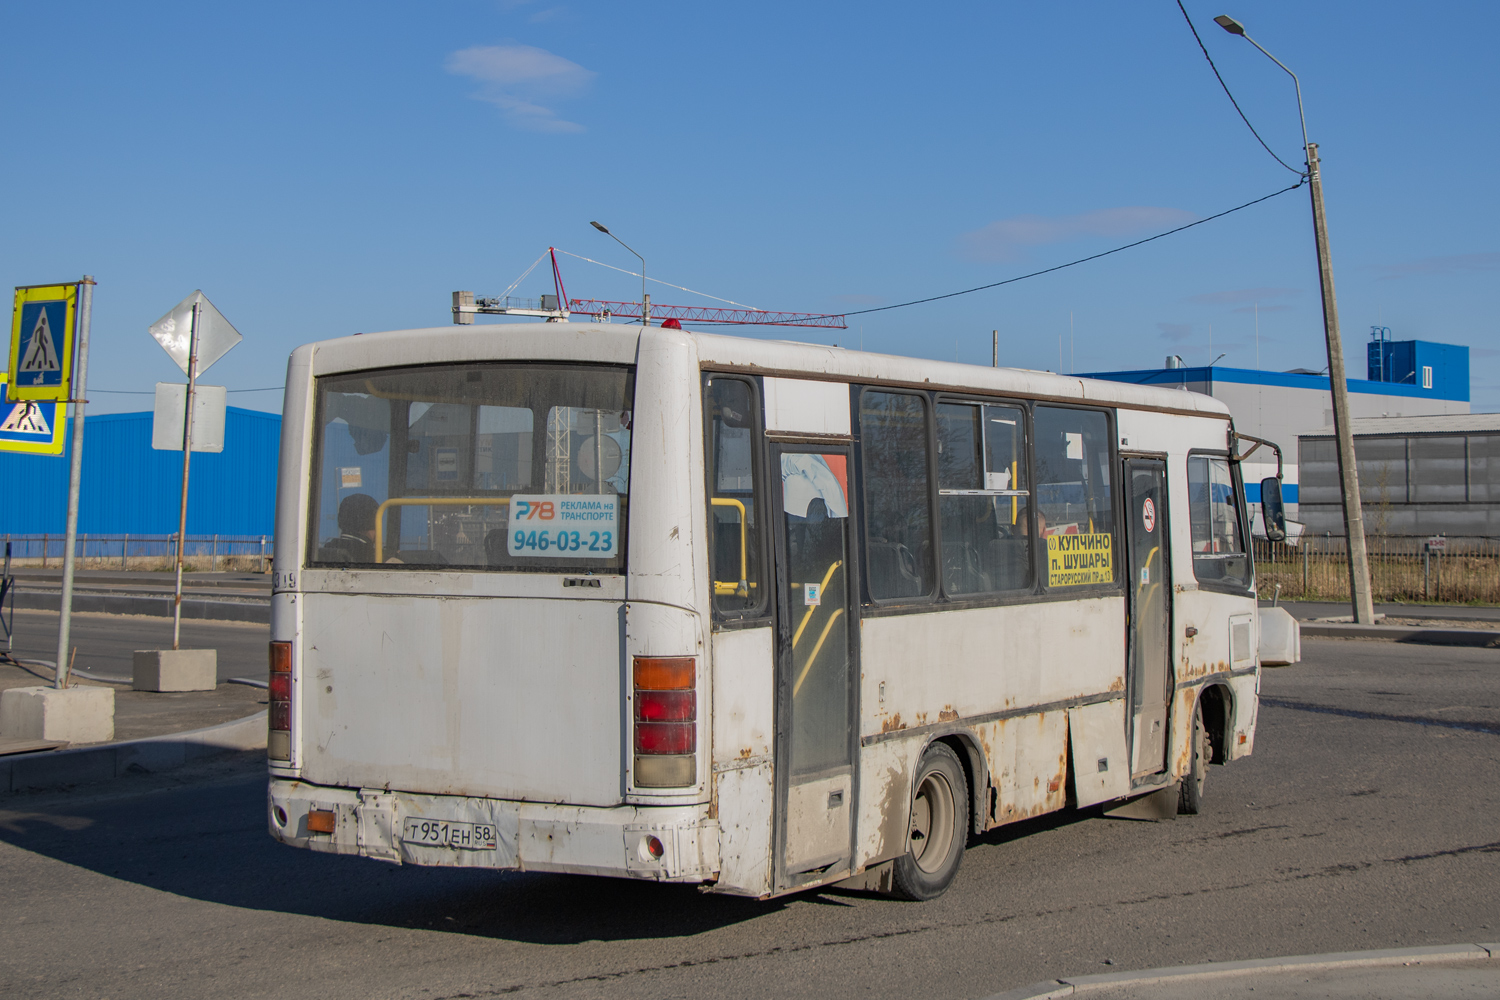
{"x":506,"y":467}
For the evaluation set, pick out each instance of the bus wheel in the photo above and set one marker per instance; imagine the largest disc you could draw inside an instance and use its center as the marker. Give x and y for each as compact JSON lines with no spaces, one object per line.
{"x":1190,"y":795}
{"x":939,"y":827}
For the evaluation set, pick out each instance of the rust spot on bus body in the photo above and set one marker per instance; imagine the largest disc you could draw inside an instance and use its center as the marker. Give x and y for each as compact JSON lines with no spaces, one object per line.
{"x":894,"y":808}
{"x":892,"y":724}
{"x":948,"y":714}
{"x":745,"y":753}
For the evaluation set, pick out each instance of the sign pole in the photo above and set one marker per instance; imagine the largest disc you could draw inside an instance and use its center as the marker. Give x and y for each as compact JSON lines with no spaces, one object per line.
{"x":187,"y":455}
{"x":75,"y":476}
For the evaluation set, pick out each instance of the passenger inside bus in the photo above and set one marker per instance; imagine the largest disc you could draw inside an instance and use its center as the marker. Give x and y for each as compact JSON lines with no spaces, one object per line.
{"x":356,"y":540}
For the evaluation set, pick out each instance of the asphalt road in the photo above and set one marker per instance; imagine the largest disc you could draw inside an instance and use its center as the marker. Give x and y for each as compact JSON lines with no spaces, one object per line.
{"x":106,"y":642}
{"x":1366,"y":819}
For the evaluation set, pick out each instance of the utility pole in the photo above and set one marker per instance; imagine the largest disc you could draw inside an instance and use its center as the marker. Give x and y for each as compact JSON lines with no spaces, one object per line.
{"x":1354,"y":518}
{"x":994,"y":348}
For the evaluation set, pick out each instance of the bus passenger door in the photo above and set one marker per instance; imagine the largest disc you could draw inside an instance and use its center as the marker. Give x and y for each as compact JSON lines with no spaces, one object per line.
{"x":815,"y":711}
{"x":1150,"y":587}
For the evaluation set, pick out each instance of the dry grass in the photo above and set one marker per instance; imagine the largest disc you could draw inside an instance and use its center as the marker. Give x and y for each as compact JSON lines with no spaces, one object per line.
{"x":1469,"y":577}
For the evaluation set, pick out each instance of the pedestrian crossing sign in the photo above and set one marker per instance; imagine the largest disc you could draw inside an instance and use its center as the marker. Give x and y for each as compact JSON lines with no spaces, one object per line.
{"x":30,"y":426}
{"x":41,"y":342}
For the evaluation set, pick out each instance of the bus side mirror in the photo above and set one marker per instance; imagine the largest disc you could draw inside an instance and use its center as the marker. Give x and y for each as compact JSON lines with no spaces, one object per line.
{"x":1272,"y":513}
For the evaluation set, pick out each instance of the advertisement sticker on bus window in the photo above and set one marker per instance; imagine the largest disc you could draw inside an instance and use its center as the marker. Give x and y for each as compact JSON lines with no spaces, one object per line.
{"x":350,"y":478}
{"x":1078,"y":559}
{"x":447,"y":463}
{"x":565,"y":525}
{"x":812,"y":594}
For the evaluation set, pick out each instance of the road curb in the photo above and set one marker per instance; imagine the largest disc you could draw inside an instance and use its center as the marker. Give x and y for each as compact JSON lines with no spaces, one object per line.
{"x":143,"y":604}
{"x":1068,"y":986}
{"x":62,"y":768}
{"x":1404,"y":633}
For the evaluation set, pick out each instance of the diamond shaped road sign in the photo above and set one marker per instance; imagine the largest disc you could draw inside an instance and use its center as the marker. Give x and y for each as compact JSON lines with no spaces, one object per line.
{"x":216,"y":335}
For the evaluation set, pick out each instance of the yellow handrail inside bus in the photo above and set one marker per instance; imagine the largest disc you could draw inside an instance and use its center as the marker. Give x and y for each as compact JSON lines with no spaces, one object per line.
{"x":813,"y":657}
{"x":812,"y":608}
{"x":744,"y":588}
{"x":1013,"y":481}
{"x":428,"y":502}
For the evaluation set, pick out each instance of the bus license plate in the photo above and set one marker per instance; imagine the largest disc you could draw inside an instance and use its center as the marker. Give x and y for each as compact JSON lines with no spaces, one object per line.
{"x":445,"y":833}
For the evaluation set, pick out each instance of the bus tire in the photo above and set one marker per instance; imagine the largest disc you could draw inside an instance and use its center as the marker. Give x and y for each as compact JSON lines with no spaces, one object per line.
{"x":937,"y":832}
{"x":1190,"y":792}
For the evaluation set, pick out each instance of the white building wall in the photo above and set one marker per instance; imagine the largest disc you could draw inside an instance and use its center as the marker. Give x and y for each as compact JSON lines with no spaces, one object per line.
{"x":1282,"y":413}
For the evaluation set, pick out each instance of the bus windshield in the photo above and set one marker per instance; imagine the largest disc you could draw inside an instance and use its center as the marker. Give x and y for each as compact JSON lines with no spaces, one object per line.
{"x":503,"y":467}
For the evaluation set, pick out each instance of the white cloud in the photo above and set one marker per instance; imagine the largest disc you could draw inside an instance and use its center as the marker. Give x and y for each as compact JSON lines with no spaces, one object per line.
{"x":1245,"y":296}
{"x":1003,"y":240}
{"x":1456,"y":264}
{"x":523,"y":82}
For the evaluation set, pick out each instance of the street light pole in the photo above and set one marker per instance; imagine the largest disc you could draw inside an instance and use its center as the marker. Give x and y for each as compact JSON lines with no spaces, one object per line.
{"x":645,"y":299}
{"x":1343,"y":429}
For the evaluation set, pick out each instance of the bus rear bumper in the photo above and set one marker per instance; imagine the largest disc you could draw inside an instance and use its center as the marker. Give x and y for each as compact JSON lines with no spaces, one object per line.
{"x":620,"y":841}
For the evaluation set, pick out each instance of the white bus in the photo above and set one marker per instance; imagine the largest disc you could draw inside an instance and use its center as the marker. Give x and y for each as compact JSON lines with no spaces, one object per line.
{"x":750,"y":614}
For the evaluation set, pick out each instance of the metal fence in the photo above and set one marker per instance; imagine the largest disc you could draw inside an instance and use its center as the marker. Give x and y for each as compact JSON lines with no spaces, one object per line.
{"x":1401,"y":569}
{"x":214,"y":553}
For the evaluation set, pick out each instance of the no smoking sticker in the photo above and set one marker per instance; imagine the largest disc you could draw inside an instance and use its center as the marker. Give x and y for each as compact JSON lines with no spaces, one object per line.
{"x":1148,"y":515}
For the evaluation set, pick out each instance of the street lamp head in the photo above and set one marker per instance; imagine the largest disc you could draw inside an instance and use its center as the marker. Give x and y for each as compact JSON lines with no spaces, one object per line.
{"x":601,"y":229}
{"x":1229,"y":24}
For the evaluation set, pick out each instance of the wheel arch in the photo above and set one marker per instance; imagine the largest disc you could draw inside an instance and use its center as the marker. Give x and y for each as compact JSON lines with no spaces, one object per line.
{"x":966,"y":747}
{"x":1217,"y":704}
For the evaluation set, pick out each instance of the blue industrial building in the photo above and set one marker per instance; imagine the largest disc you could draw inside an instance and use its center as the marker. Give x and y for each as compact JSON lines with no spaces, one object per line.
{"x":129,"y":488}
{"x":1405,"y":379}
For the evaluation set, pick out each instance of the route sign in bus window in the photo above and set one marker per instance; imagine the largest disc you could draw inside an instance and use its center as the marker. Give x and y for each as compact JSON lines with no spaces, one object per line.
{"x":898,"y":522}
{"x":1074,"y":494}
{"x":418,"y":467}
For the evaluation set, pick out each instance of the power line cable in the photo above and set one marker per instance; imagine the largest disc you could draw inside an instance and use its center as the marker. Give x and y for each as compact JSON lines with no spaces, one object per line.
{"x":1194,"y":30}
{"x":1081,"y":260}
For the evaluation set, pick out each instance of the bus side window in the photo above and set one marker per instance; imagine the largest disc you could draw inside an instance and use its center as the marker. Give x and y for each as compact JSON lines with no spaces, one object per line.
{"x":1218,"y":537}
{"x":734,"y":510}
{"x":898,"y":522}
{"x":1074,"y":492}
{"x":982,"y":494}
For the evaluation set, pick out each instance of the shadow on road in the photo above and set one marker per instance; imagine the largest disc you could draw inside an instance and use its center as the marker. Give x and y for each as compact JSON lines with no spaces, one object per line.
{"x":209,"y":842}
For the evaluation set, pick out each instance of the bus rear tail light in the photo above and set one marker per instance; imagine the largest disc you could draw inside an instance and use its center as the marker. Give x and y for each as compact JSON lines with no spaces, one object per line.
{"x":665,"y":696}
{"x":279,"y":714}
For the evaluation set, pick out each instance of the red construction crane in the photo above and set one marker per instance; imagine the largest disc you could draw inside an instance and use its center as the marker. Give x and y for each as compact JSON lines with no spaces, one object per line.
{"x":558,"y":307}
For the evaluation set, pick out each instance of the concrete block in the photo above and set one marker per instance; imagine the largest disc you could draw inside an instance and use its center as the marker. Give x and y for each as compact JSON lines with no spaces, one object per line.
{"x":1280,"y":638}
{"x":76,"y":714}
{"x":175,"y":670}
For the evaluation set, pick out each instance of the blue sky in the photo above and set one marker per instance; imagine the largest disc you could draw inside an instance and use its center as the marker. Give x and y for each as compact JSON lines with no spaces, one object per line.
{"x":322,"y":169}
